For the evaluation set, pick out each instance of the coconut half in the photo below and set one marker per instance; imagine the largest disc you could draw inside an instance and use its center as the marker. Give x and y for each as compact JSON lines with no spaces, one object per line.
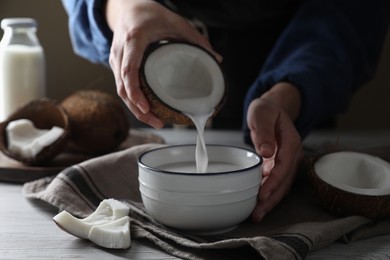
{"x":352,"y":183}
{"x":44,"y":114}
{"x":181,"y":78}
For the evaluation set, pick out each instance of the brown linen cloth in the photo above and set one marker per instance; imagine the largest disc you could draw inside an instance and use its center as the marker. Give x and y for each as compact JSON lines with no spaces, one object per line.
{"x":290,"y":231}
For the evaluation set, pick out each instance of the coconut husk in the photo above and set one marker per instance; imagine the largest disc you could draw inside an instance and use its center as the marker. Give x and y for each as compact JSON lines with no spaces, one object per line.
{"x":99,"y":123}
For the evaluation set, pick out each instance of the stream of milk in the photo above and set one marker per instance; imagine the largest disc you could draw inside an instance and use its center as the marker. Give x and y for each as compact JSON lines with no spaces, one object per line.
{"x":201,"y":156}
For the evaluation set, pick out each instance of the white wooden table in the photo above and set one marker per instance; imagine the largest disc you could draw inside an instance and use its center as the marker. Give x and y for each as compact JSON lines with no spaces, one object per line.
{"x":28,"y":232}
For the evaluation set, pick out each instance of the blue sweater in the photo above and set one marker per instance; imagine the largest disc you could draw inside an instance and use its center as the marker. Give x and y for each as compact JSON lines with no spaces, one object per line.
{"x":328,"y":49}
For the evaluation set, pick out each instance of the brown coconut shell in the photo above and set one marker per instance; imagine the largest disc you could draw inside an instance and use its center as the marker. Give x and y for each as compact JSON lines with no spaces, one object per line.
{"x":99,"y":123}
{"x":162,"y":110}
{"x":45,"y":114}
{"x":341,"y":203}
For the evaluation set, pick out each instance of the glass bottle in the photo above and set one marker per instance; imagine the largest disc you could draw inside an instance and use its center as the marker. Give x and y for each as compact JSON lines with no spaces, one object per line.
{"x":22,"y":65}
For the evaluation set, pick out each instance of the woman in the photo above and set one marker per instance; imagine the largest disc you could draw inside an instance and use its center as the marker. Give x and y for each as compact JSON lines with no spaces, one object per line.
{"x":289,"y":64}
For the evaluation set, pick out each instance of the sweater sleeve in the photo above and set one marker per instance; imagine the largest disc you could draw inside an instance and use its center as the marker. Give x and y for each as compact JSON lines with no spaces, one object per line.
{"x":90,"y":35}
{"x":89,"y":32}
{"x":328,"y":50}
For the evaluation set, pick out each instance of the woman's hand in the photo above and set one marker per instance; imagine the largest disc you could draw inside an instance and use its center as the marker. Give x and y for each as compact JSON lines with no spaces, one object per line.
{"x":136,"y":24}
{"x":270,"y":120}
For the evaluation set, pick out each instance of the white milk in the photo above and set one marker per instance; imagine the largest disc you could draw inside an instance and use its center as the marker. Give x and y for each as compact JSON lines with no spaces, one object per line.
{"x":22,"y":77}
{"x":189,"y":167}
{"x":201,"y":156}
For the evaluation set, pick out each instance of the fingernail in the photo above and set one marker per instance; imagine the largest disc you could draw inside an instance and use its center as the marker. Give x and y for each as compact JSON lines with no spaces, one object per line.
{"x":141,"y":106}
{"x":156,"y":123}
{"x":266,"y":149}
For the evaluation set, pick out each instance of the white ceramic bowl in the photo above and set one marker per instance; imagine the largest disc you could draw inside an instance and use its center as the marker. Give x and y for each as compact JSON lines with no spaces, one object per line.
{"x":209,"y":202}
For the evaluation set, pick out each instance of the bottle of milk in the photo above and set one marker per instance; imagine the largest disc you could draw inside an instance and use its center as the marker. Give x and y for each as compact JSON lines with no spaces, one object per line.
{"x":22,"y":65}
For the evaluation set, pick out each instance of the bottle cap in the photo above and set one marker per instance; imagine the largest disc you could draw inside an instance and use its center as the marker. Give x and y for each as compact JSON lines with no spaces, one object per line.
{"x":18,"y":22}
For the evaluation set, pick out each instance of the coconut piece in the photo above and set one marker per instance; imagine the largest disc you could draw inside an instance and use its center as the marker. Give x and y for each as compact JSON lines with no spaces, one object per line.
{"x":181,"y":78}
{"x":27,"y":141}
{"x":102,"y":222}
{"x":99,"y":122}
{"x":115,"y":234}
{"x":72,"y":225}
{"x":351,"y":183}
{"x":107,"y":211}
{"x":44,"y":114}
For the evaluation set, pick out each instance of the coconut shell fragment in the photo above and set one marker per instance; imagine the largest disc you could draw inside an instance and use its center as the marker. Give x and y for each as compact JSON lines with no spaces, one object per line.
{"x":359,"y":197}
{"x":99,"y":123}
{"x":44,"y":114}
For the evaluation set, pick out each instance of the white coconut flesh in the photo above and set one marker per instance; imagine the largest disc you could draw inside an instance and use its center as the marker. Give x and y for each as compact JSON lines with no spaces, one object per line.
{"x":108,"y":226}
{"x":355,"y":172}
{"x":184,"y":76}
{"x":26,"y":140}
{"x":115,"y":234}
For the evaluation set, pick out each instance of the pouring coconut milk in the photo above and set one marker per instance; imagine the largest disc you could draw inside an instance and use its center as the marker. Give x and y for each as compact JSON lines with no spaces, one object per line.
{"x":201,"y":156}
{"x":184,"y":79}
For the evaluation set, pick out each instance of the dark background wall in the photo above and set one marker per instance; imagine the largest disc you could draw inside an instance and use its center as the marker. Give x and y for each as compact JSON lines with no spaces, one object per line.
{"x":370,"y":107}
{"x":66,"y":72}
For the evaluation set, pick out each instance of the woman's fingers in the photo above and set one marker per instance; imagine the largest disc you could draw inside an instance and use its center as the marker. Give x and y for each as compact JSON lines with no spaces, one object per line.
{"x":277,"y":185}
{"x":131,"y":63}
{"x":276,"y":139}
{"x":136,"y":24}
{"x":262,"y":118}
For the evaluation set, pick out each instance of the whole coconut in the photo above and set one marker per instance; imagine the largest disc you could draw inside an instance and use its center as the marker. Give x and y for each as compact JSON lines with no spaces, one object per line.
{"x":99,"y":123}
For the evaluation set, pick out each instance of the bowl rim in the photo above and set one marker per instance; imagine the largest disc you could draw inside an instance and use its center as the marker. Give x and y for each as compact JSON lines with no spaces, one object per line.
{"x":141,"y":164}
